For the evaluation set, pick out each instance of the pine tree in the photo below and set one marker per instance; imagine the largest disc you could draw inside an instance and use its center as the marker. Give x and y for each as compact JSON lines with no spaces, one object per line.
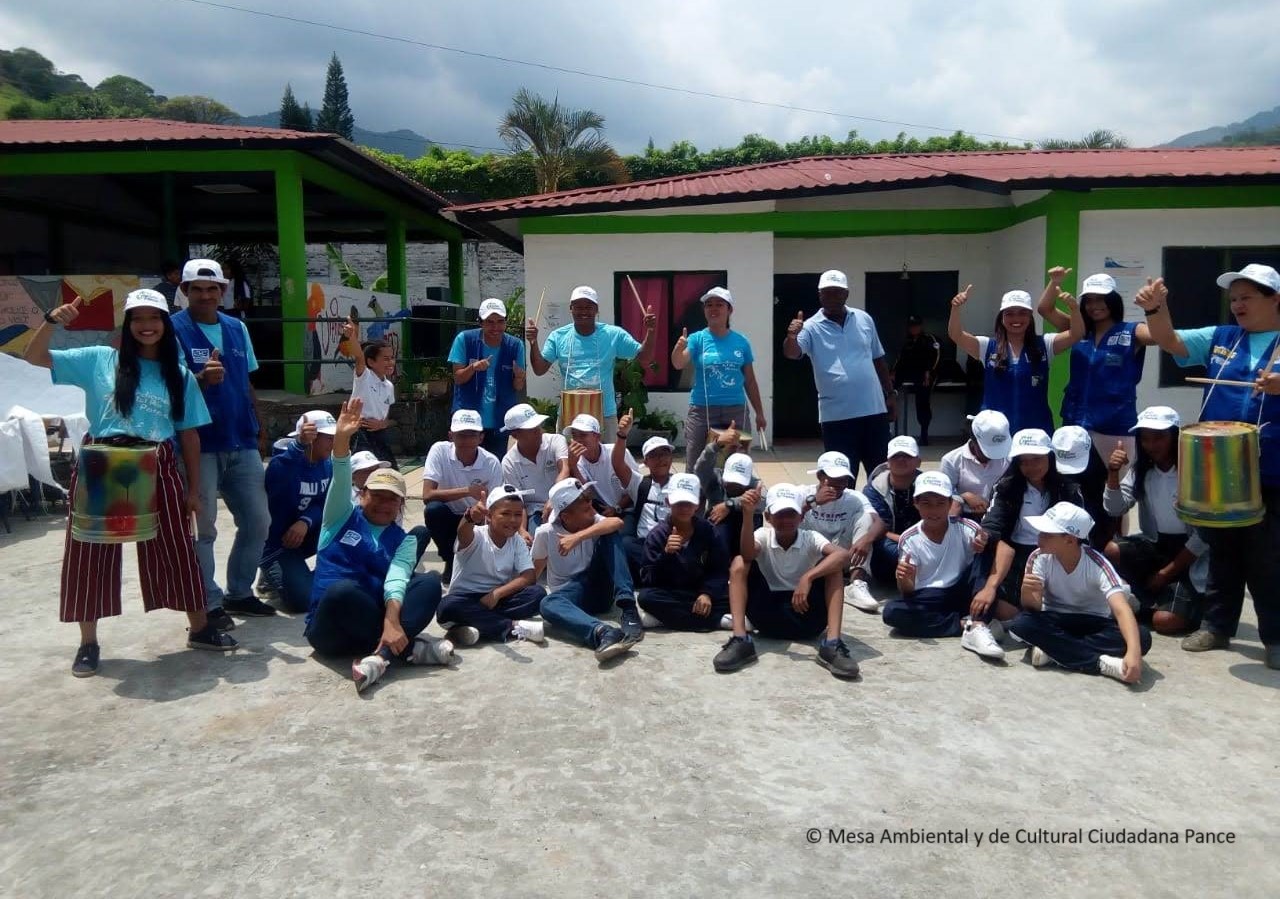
{"x":293,"y":116}
{"x":335,"y":115}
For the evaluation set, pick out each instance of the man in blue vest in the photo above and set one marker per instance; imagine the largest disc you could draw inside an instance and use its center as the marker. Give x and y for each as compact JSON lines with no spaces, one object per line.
{"x":218,"y":351}
{"x":488,"y":372}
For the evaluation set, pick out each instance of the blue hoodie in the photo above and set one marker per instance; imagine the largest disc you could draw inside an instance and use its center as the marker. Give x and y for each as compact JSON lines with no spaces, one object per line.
{"x":296,"y":489}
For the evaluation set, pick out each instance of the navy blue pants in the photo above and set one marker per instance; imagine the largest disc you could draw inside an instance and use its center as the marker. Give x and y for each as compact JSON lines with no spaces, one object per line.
{"x":442,"y":527}
{"x":347,"y":621}
{"x":1072,"y":640}
{"x":865,"y":440}
{"x":772,"y":614}
{"x":495,"y":623}
{"x":884,"y":560}
{"x":936,"y":611}
{"x":606,"y":581}
{"x":674,"y":608}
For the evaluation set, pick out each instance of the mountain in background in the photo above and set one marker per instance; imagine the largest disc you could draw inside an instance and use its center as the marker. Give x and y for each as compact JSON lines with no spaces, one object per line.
{"x":405,"y":142}
{"x":1262,"y":128}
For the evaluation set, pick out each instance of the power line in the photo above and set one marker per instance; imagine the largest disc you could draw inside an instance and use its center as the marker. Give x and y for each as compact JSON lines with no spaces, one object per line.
{"x":613,"y":78}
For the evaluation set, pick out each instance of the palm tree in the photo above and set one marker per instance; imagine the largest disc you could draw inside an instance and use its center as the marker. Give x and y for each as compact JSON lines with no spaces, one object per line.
{"x":565,"y":143}
{"x":1099,"y":139}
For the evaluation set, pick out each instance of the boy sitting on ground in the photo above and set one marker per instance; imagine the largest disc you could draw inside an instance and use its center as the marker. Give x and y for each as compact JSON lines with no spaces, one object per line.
{"x":846,"y":518}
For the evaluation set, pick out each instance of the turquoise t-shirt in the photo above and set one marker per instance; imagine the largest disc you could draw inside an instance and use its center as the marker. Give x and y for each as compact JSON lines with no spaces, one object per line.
{"x":214,"y":334}
{"x":587,"y":362}
{"x":489,"y":407}
{"x":1199,"y":341}
{"x":718,"y":378}
{"x":93,"y":370}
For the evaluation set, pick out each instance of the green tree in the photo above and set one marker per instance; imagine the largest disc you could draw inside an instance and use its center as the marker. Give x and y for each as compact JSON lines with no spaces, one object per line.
{"x":201,"y":110}
{"x":82,"y":106}
{"x":36,"y":76}
{"x":23,"y":109}
{"x":1099,"y":139}
{"x":565,"y":143}
{"x":335,"y":113}
{"x":129,"y":95}
{"x":293,"y":116}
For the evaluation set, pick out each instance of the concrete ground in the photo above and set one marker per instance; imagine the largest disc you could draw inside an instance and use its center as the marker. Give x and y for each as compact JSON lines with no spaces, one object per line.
{"x":529,"y":770}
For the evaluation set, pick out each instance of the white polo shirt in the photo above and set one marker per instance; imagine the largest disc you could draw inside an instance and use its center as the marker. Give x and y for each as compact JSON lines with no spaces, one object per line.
{"x":561,"y":569}
{"x":654,"y":508}
{"x":443,"y":467}
{"x":782,"y":568}
{"x":1033,"y":503}
{"x":939,"y":565}
{"x":842,"y":520}
{"x":1080,"y":592}
{"x":377,"y":393}
{"x":968,"y":475}
{"x":481,"y":566}
{"x":537,"y":474}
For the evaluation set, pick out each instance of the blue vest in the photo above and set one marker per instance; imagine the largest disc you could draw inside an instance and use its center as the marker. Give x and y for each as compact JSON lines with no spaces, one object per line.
{"x":355,"y":554}
{"x":235,"y":424}
{"x":1240,"y":403}
{"x":1102,"y":394}
{"x":471,"y":394}
{"x":1021,"y":391}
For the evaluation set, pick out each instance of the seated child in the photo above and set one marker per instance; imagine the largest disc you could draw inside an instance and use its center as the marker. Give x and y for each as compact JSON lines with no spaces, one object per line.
{"x":647,"y":492}
{"x":722,"y":488}
{"x":889,"y":490}
{"x":846,"y":518}
{"x":589,"y":463}
{"x":297,"y":482}
{"x":1075,"y":608}
{"x":976,"y":466}
{"x":536,"y":460}
{"x":1079,"y":463}
{"x":458,"y":473}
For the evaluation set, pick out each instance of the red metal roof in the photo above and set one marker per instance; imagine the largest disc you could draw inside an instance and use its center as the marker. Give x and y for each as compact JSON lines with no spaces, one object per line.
{"x":839,"y":174}
{"x":95,"y":131}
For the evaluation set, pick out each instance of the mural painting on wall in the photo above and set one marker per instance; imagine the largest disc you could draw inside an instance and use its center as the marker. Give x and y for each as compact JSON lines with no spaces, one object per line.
{"x":25,"y":299}
{"x":324,"y":338}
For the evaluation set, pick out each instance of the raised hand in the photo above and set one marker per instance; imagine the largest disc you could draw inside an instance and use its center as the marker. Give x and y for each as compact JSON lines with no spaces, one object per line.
{"x":794,"y":326}
{"x":348,"y":419}
{"x":625,"y":422}
{"x":650,"y":319}
{"x":749,"y":501}
{"x":674,"y":544}
{"x":1058,"y":274}
{"x":530,"y":332}
{"x":213,"y":372}
{"x":1072,"y":303}
{"x":729,"y":436}
{"x":67,"y":313}
{"x":307,"y":433}
{"x":683,"y":340}
{"x":477,"y":513}
{"x":350,"y":330}
{"x":1119,"y":458}
{"x":1152,"y":296}
{"x":962,"y":297}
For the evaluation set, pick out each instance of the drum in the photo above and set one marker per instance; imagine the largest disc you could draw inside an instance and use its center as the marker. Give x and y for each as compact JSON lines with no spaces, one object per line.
{"x":115,"y":499}
{"x":1218,"y":475}
{"x":578,"y":402}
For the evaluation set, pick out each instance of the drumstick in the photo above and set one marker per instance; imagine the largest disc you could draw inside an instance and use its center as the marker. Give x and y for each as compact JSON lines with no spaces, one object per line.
{"x":635,"y":293}
{"x":1221,"y":383}
{"x":537,"y":315}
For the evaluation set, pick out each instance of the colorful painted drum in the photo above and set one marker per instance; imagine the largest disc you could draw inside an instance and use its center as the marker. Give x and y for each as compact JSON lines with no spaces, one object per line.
{"x":581,"y":402}
{"x":115,"y":499}
{"x":1218,"y":475}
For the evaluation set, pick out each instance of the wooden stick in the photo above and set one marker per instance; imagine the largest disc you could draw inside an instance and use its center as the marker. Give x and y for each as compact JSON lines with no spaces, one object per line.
{"x":635,"y":293}
{"x":1220,"y":383}
{"x":538,"y":315}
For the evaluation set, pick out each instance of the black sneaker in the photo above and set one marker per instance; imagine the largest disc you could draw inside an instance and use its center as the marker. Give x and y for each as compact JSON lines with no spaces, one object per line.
{"x":86,"y":663}
{"x":739,"y":652}
{"x":220,"y":619}
{"x":212,"y":639}
{"x":610,"y":643}
{"x":248,"y":607}
{"x":631,"y":625}
{"x":837,"y":660}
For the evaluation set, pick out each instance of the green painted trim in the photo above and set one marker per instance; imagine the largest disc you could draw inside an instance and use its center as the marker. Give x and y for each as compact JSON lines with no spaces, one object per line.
{"x":1061,"y":247}
{"x":457,"y":283}
{"x":129,"y":162}
{"x":318,"y":173}
{"x":291,"y":234}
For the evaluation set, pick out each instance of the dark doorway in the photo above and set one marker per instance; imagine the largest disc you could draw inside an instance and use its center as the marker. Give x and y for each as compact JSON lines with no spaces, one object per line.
{"x":891,"y":299}
{"x":795,"y":399}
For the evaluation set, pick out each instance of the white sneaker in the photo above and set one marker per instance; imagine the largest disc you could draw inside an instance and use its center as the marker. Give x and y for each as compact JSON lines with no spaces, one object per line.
{"x":430,"y":651}
{"x":648,"y":621}
{"x":1111,"y":666}
{"x":528,"y":630}
{"x":1041,"y":659}
{"x":859,"y":596}
{"x":726,"y":623}
{"x":366,"y":671}
{"x":463,"y":635}
{"x":978,"y":638}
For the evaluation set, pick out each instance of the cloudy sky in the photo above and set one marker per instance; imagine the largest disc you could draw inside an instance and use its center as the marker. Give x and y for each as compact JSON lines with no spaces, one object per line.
{"x":1010,"y":68}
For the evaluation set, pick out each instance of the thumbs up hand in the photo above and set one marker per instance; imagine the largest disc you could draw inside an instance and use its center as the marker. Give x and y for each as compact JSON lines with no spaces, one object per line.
{"x":349,"y":329}
{"x":796,"y":324}
{"x":624,"y":424}
{"x":962,"y":297}
{"x":213,"y":372}
{"x":1119,"y":458}
{"x":67,"y":313}
{"x":683,"y":340}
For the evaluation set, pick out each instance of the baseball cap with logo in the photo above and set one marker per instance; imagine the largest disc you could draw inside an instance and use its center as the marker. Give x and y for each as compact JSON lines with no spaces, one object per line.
{"x":833,"y":465}
{"x":653,"y":444}
{"x":1016,"y":299}
{"x":719,"y":293}
{"x":466,"y":420}
{"x":783,"y":496}
{"x":739,"y":469}
{"x":1031,"y":442}
{"x":492,"y":306}
{"x":1158,"y":418}
{"x":1071,"y":445}
{"x":684,"y":488}
{"x":324,"y":422}
{"x":584,"y":293}
{"x":389,"y":480}
{"x":505,"y":491}
{"x":1258,"y":274}
{"x":522,"y":416}
{"x":365,"y":459}
{"x":585,"y":423}
{"x":146,"y":299}
{"x":991,"y":430}
{"x":933,"y":482}
{"x":1063,"y":518}
{"x":203,"y":270}
{"x":833,"y":278}
{"x":903,"y":444}
{"x":565,"y":493}
{"x":1102,"y":283}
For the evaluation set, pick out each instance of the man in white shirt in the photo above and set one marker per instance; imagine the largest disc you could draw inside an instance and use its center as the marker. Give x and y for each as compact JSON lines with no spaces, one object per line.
{"x":976,"y":466}
{"x":458,"y":474}
{"x":536,"y":461}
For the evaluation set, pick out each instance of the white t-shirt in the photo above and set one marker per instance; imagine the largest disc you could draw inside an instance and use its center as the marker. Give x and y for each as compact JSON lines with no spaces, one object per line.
{"x":1083,"y":591}
{"x":968,"y":475}
{"x":782,"y":568}
{"x":1050,"y":344}
{"x":608,"y":487}
{"x":1160,"y":493}
{"x":443,"y":467}
{"x":939,"y":565}
{"x":538,"y":475}
{"x":561,"y":569}
{"x":1033,"y":503}
{"x":376,"y":392}
{"x":654,"y":508}
{"x":844,"y":519}
{"x":481,"y":566}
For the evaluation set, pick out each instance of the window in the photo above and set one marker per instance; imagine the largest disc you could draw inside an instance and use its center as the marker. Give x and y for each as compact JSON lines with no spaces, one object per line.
{"x":1195,"y":299}
{"x":675,"y":298}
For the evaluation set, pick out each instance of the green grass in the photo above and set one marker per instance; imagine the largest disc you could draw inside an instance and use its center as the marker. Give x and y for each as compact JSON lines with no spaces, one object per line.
{"x":9,"y":95}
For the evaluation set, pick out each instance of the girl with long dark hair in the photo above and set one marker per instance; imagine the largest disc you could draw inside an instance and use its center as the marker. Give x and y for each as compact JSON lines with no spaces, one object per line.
{"x":137,"y":396}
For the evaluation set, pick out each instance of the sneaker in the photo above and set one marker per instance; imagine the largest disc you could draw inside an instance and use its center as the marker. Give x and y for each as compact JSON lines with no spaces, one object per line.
{"x":611,"y":642}
{"x":1273,"y":655}
{"x":86,"y":663}
{"x":220,"y":619}
{"x":1203,"y":640}
{"x":836,"y":659}
{"x":726,"y":623}
{"x":248,"y":607}
{"x":978,"y":638}
{"x":430,"y":651}
{"x":1041,"y":659}
{"x":366,"y":671}
{"x":648,"y":621}
{"x":858,"y":595}
{"x":1111,"y":666}
{"x":528,"y":630}
{"x":737,"y":653}
{"x":632,"y":625}
{"x":211,"y":638}
{"x":462,"y":635}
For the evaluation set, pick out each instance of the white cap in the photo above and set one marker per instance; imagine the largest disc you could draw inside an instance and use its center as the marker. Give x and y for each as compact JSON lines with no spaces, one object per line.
{"x":564,"y":494}
{"x":203,"y":270}
{"x":833,"y":465}
{"x":1258,"y":274}
{"x":739,"y":469}
{"x":784,"y":496}
{"x":1031,"y":442}
{"x":684,"y":488}
{"x":1016,"y":299}
{"x":1071,"y":445}
{"x":903,"y":443}
{"x":492,"y":306}
{"x":522,"y":416}
{"x":655,"y":443}
{"x":933,"y":482}
{"x":1063,"y":518}
{"x":466,"y":420}
{"x":325,"y":423}
{"x":365,"y":459}
{"x":720,"y":293}
{"x":1158,"y":418}
{"x":991,"y":430}
{"x":833,"y":278}
{"x":585,"y":422}
{"x":505,"y":491}
{"x":146,"y":299}
{"x":584,"y":293}
{"x":1102,"y":284}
